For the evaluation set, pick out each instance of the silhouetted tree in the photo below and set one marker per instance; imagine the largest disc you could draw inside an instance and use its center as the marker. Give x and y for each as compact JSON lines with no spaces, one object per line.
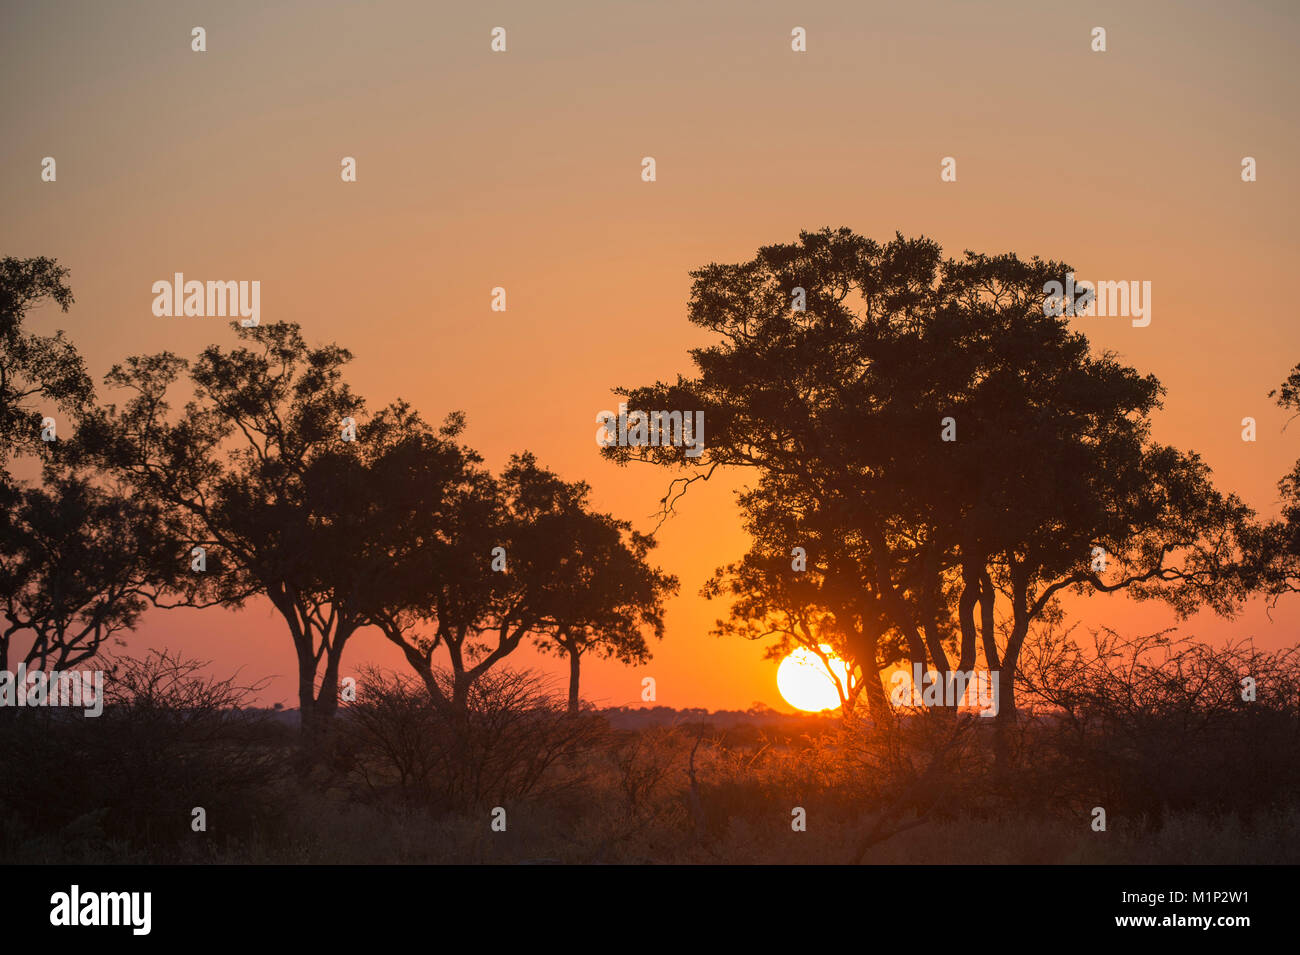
{"x":841,"y":407}
{"x":261,"y":467}
{"x":79,"y":560}
{"x":1055,"y":484}
{"x":39,"y":374}
{"x":1276,"y":549}
{"x":607,"y":597}
{"x":77,"y":565}
{"x":559,"y":575}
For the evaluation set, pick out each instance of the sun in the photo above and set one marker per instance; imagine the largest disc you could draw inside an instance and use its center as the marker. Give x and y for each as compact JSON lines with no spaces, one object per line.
{"x":805,"y":682}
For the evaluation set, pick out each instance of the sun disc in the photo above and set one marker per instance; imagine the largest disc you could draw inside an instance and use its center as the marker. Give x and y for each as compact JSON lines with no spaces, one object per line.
{"x":806,"y":684}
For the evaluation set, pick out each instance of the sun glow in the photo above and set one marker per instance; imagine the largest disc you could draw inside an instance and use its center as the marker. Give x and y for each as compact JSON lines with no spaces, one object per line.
{"x":805,"y":682}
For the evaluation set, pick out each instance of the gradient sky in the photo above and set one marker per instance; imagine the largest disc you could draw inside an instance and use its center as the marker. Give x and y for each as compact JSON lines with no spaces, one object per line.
{"x":523,"y":170}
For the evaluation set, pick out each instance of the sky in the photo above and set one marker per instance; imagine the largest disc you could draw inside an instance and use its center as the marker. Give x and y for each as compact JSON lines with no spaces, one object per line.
{"x":522,"y":169}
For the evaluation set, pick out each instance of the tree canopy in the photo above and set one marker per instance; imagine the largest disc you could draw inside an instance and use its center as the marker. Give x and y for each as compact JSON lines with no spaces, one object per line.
{"x":945,"y":437}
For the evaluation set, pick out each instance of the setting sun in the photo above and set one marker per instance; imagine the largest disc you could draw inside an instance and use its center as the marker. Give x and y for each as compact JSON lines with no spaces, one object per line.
{"x":805,"y":682}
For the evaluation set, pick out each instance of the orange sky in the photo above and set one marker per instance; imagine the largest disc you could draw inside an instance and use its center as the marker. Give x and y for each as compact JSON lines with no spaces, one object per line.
{"x":522,"y":170}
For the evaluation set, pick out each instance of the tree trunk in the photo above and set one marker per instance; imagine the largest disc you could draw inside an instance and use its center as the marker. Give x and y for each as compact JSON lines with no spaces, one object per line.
{"x":307,"y":689}
{"x":878,"y":706}
{"x":318,"y":707}
{"x":460,"y":693}
{"x":1005,"y":727}
{"x":970,"y":595}
{"x":575,"y":661}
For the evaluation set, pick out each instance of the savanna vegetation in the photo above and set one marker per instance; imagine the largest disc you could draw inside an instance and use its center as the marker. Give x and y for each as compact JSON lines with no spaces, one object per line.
{"x":935,"y":463}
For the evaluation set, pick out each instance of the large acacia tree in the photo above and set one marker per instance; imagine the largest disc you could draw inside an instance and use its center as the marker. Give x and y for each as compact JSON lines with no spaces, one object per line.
{"x":274,"y":467}
{"x":79,"y":559}
{"x":843,"y":365}
{"x":607,"y":599}
{"x":516,"y":557}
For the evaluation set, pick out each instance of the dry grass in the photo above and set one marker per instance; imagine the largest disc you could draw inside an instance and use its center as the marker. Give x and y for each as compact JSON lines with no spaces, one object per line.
{"x":399,"y":786}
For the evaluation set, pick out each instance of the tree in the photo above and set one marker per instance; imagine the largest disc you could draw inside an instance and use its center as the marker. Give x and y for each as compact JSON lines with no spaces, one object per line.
{"x":514,"y":558}
{"x":1081,"y":499}
{"x":275,"y":467}
{"x":965,"y":445}
{"x":607,"y":596}
{"x":79,"y":560}
{"x":1275,"y":551}
{"x":77,"y":565}
{"x":38,"y":373}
